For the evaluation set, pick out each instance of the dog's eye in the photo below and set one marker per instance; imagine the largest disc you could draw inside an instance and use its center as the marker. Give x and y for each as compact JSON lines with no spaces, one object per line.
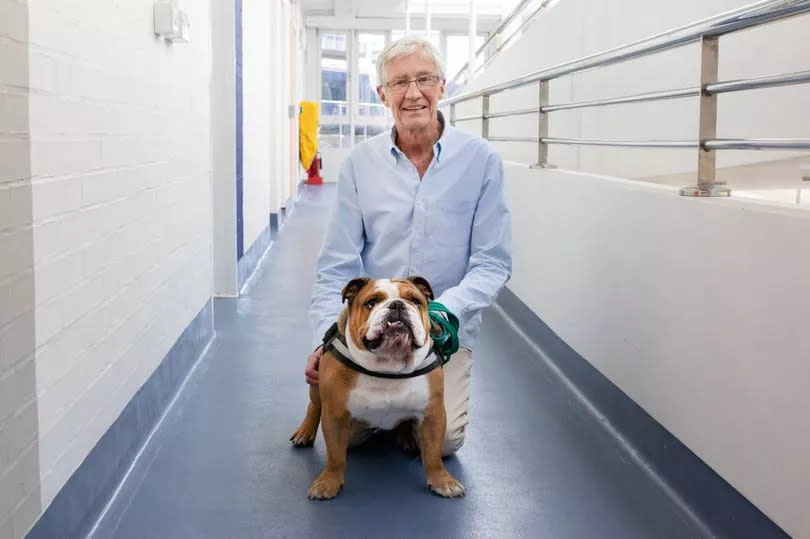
{"x":371,"y":303}
{"x":416,"y":301}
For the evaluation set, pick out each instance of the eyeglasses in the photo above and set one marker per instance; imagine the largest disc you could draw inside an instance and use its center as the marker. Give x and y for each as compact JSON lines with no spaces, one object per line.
{"x":425,"y":82}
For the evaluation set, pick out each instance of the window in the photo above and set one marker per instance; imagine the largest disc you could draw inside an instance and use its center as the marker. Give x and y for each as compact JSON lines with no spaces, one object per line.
{"x":369,"y":48}
{"x":435,"y":36}
{"x":458,"y":52}
{"x":334,"y":135}
{"x":334,"y":80}
{"x":333,"y":42}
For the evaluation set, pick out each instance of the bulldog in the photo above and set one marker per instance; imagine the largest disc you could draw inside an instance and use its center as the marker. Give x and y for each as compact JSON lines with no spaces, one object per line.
{"x":380,"y":371}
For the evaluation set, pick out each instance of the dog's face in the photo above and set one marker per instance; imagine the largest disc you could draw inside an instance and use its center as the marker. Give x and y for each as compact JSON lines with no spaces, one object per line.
{"x":387,"y":326}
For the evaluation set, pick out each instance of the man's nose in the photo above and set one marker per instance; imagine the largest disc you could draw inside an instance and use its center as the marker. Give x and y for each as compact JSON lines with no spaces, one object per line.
{"x":413,"y":91}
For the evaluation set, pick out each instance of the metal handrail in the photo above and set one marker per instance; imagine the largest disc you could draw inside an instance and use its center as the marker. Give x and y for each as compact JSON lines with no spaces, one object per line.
{"x":467,"y":118}
{"x":758,"y":144}
{"x":706,"y":31}
{"x":533,"y":110}
{"x":713,"y":144}
{"x":624,"y":143}
{"x":755,"y":14}
{"x":759,"y":82}
{"x":638,"y":98}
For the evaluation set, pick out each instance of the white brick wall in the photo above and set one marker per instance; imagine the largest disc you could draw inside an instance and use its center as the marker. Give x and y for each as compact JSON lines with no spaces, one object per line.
{"x":105,"y":225}
{"x":19,"y":474}
{"x":257,"y":137}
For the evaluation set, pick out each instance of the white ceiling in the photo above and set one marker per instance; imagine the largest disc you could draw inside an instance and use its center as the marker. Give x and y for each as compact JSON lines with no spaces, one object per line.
{"x":395,"y":9}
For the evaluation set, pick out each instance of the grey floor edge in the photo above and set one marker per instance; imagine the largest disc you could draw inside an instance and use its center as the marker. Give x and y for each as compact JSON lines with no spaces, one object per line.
{"x":723,"y":510}
{"x":77,"y":505}
{"x":535,"y":463}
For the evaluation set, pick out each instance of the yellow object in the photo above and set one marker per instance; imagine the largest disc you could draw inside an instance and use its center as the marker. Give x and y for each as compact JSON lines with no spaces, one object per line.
{"x":308,"y":132}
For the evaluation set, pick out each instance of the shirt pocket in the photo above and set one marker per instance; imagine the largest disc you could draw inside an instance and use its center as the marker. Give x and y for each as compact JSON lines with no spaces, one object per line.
{"x":450,"y":222}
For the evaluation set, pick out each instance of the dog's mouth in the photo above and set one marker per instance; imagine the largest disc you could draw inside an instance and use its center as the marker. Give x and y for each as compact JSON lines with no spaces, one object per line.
{"x":396,"y":333}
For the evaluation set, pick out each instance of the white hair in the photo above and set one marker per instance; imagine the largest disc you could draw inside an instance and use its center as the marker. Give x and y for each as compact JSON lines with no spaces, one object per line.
{"x":405,"y":46}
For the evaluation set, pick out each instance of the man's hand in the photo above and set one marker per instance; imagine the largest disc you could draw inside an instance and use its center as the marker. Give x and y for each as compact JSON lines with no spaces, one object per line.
{"x":313,"y":362}
{"x":435,"y":329}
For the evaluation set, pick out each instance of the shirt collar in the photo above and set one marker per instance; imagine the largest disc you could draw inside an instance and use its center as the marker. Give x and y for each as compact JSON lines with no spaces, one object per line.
{"x":437,"y":148}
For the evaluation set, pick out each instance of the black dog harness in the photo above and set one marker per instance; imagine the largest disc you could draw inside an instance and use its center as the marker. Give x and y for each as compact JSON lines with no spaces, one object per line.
{"x":335,"y":343}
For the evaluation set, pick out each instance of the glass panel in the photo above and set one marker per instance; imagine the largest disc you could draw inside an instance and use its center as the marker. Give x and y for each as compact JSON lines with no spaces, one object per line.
{"x":369,"y":48}
{"x":365,"y":131}
{"x":334,"y":136}
{"x":434,"y":36}
{"x":334,"y":82}
{"x":458,"y":52}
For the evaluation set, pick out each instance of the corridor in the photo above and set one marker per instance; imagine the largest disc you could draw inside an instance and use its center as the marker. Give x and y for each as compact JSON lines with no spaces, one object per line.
{"x":163,"y":198}
{"x":535,"y":463}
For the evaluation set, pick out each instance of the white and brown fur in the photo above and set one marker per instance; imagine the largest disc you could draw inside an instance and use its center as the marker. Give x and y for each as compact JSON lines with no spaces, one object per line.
{"x":345,"y":399}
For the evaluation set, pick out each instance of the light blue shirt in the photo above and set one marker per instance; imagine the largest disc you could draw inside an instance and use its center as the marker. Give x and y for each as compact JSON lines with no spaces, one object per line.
{"x":452,"y":227}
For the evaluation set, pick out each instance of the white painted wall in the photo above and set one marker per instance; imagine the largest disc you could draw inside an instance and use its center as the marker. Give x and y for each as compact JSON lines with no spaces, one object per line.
{"x":298,"y":45}
{"x":106,"y":227}
{"x":696,"y":308}
{"x":286,"y":99}
{"x":284,"y":133}
{"x":312,"y":65}
{"x":107,"y":168}
{"x":256,"y":53}
{"x":223,"y":147}
{"x":20,"y":500}
{"x":575,"y":28}
{"x":276,"y":118}
{"x":332,"y":160}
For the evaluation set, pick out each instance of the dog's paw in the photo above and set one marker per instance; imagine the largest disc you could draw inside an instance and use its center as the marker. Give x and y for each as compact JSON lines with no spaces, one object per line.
{"x":325,"y":487}
{"x":303,"y":437}
{"x":446,"y":485}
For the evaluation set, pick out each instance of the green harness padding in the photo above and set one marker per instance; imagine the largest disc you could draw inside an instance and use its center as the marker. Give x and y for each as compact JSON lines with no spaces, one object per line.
{"x":447,"y":343}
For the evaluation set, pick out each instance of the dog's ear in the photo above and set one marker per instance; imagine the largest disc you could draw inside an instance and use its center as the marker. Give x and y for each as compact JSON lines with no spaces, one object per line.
{"x":344,"y":315}
{"x":354,"y":286}
{"x":423,"y":286}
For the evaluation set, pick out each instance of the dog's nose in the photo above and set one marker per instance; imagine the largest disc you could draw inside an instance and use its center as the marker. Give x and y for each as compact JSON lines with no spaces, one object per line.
{"x":397,"y":305}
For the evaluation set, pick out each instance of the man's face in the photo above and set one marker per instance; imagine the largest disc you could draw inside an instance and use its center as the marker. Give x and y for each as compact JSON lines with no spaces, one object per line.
{"x":413,"y":107}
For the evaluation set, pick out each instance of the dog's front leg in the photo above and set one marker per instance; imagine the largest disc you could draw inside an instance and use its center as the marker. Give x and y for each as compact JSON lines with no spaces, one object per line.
{"x":335,"y":427}
{"x":431,"y":437}
{"x":304,"y":436}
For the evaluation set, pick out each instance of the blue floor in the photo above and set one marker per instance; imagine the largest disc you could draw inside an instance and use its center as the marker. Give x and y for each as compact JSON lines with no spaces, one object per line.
{"x":535,"y":463}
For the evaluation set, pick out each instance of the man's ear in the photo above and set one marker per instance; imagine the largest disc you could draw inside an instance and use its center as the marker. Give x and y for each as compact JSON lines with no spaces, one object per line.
{"x":354,"y":286}
{"x":423,"y":285}
{"x":381,"y":94}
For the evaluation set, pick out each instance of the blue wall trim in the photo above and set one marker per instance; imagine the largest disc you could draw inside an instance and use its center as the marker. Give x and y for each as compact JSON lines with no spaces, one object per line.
{"x":240,"y":226}
{"x":250,"y":260}
{"x":77,"y":506}
{"x":718,"y":504}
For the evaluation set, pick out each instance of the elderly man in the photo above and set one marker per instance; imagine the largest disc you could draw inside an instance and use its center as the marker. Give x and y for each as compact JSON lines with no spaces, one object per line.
{"x":425,"y":199}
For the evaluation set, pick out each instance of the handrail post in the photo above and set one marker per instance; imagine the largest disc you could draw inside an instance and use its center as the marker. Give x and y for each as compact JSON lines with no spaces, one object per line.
{"x":453,"y":114}
{"x":542,"y":127}
{"x":485,"y":117}
{"x":707,"y":185}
